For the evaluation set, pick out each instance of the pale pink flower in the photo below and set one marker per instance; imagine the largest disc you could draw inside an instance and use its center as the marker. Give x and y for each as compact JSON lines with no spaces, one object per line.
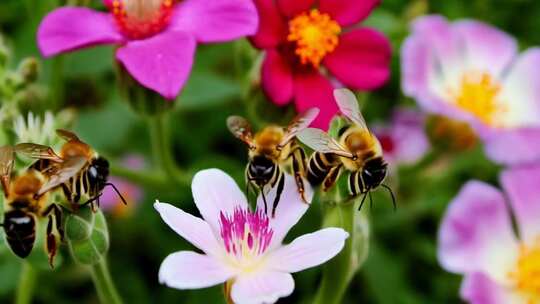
{"x":241,"y":246}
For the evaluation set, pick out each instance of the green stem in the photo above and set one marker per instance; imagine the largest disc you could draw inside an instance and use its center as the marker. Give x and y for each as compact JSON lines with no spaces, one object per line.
{"x":162,"y":149}
{"x":338,"y":272}
{"x":104,"y":285}
{"x":27,"y":281}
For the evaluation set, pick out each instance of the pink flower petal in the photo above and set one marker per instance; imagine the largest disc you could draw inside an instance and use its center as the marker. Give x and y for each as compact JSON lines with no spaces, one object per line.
{"x":348,"y":12}
{"x":214,"y":191}
{"x":291,"y":8}
{"x":514,"y":147}
{"x":485,"y":47}
{"x":522,"y":186}
{"x":290,"y":209}
{"x":216,"y":20}
{"x":266,"y":287}
{"x":314,"y":90}
{"x":277,"y":78}
{"x":70,"y":28}
{"x":272,"y":27}
{"x":361,"y":60}
{"x":191,"y":228}
{"x":478,"y":288}
{"x":190,"y":270}
{"x":476,"y":233}
{"x":161,"y":63}
{"x":308,"y":250}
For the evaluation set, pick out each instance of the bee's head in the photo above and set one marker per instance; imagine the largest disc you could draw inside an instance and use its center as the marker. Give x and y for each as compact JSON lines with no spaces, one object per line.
{"x":261,"y":169}
{"x":98,"y":172}
{"x":374,"y":172}
{"x":19,"y":227}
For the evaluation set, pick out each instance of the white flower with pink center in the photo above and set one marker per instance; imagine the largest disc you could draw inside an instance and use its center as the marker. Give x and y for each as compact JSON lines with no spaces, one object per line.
{"x":241,"y":247}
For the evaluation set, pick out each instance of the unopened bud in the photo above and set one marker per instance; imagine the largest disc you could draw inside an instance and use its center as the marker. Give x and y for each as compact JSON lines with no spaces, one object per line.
{"x":87,"y":236}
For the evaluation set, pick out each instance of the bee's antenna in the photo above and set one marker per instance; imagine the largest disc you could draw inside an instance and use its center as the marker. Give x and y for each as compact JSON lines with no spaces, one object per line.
{"x":392,"y":195}
{"x":117,"y":192}
{"x":264,"y":200}
{"x":370,"y":200}
{"x":363,"y":200}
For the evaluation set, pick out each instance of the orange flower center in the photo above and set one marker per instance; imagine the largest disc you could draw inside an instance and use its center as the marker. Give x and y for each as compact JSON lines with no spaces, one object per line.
{"x":526,"y":275}
{"x":140,"y":19}
{"x":315,"y":35}
{"x":478,"y":94}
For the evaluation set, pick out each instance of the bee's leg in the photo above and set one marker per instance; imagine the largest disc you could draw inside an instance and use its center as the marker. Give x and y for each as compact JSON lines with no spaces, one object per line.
{"x":299,"y":169}
{"x":261,"y":190}
{"x":363,"y":200}
{"x":331,"y":178}
{"x":57,"y":218}
{"x":51,"y":242}
{"x":279,"y":190}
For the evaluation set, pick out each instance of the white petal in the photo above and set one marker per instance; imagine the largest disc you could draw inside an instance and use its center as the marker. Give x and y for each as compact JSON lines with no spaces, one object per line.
{"x":308,"y":250}
{"x":190,"y":270}
{"x":193,"y":229}
{"x":214,"y":191}
{"x":259,"y":288}
{"x":289,"y":210}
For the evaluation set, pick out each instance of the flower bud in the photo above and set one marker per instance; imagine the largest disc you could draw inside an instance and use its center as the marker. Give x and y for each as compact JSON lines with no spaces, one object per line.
{"x":29,"y":69}
{"x":87,"y":236}
{"x":360,"y":242}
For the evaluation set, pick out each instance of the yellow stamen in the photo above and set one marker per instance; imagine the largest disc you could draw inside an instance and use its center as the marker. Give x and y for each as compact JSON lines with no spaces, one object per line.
{"x":315,"y":35}
{"x":479,"y":95}
{"x":526,"y":276}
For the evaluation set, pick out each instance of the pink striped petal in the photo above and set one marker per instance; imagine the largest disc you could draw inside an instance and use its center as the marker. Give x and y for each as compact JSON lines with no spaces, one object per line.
{"x":314,"y":90}
{"x":478,"y":288}
{"x":476,"y":233}
{"x":361,"y":60}
{"x":272,"y":26}
{"x":216,"y":20}
{"x":266,"y":287}
{"x":161,"y":63}
{"x":290,"y":209}
{"x":71,"y":28}
{"x":522,"y":186}
{"x":308,"y":250}
{"x":191,"y":228}
{"x":291,"y":8}
{"x":190,"y":270}
{"x":348,"y":12}
{"x":277,"y":78}
{"x":214,"y":191}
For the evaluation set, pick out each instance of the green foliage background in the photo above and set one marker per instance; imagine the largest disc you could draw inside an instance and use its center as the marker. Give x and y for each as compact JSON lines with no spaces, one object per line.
{"x":402,"y":265}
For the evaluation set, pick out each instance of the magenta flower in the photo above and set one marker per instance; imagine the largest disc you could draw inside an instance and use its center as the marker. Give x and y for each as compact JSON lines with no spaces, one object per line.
{"x":243,"y":247}
{"x":299,"y":36}
{"x":156,"y":38}
{"x":470,"y":71}
{"x":404,"y":140}
{"x":477,"y":239}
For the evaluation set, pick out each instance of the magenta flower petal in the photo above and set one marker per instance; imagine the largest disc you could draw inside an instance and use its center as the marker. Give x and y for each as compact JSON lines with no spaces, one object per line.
{"x":361,"y":60}
{"x":272,"y":27}
{"x":521,"y":185}
{"x":314,"y":90}
{"x":514,"y":147}
{"x":214,"y":191}
{"x":188,"y":270}
{"x":277,"y":78}
{"x":161,"y":63}
{"x":478,"y":288}
{"x":70,"y":28}
{"x":309,"y":250}
{"x":348,"y":12}
{"x":289,"y":210}
{"x":216,"y":20}
{"x":486,"y":48}
{"x":265,"y":287}
{"x":191,"y":228}
{"x":290,"y":8}
{"x":476,"y":232}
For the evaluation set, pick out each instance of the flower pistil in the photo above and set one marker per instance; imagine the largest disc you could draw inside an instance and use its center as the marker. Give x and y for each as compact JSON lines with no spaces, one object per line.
{"x":138,"y":19}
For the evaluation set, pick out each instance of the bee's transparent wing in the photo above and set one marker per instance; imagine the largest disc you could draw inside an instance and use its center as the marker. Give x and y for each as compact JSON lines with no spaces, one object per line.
{"x":320,"y":141}
{"x":348,"y":105}
{"x":37,"y":151}
{"x":67,"y":135}
{"x":6,"y":166}
{"x":299,"y":123}
{"x":64,"y":171}
{"x":241,"y":129}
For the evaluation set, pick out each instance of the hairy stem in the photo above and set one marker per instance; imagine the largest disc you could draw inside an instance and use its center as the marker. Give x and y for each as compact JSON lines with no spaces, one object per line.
{"x":104,"y":285}
{"x":27,"y":281}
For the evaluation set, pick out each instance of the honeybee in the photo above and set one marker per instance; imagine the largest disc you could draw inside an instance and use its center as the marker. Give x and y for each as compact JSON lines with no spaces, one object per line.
{"x":269,"y":152}
{"x":79,"y":171}
{"x":23,"y":210}
{"x":357,"y":151}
